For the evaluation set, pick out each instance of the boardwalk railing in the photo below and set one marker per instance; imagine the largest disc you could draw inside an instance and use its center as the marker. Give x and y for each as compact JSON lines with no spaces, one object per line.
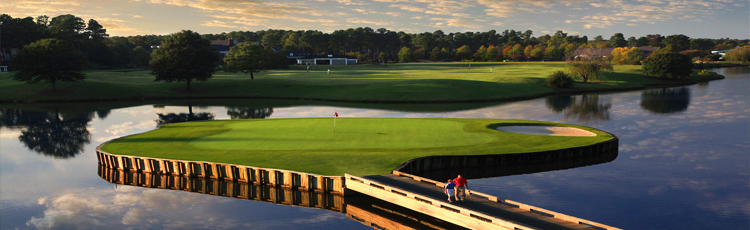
{"x":519,"y":205}
{"x":219,"y":171}
{"x":436,"y":208}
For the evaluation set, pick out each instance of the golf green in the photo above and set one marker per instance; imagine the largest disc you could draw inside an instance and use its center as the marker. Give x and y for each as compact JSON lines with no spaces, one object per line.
{"x":359,"y":146}
{"x":357,"y":133}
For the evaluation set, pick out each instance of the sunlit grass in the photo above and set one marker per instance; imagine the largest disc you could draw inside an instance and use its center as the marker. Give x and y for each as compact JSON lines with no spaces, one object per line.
{"x":360,"y":146}
{"x":420,"y":82}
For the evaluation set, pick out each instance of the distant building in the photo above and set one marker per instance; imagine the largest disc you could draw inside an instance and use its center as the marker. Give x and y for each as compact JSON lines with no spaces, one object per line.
{"x":6,"y":54}
{"x":223,"y":46}
{"x":293,"y":55}
{"x":329,"y":59}
{"x":720,"y":52}
{"x":606,"y":52}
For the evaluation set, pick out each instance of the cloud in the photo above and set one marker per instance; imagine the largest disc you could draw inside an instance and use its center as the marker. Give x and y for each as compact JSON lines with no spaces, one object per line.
{"x":72,"y":212}
{"x":361,"y":21}
{"x":127,"y":127}
{"x":409,"y":8}
{"x":217,"y":23}
{"x":453,"y":22}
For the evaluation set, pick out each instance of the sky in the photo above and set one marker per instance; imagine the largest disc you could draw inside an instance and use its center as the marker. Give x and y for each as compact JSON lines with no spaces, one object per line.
{"x":694,"y":18}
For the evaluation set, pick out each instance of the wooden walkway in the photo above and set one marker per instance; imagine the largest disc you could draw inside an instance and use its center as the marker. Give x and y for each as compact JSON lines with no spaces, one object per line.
{"x":480,"y":211}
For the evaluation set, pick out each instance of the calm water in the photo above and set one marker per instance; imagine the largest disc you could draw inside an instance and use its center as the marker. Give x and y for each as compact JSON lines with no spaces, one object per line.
{"x":683,"y":162}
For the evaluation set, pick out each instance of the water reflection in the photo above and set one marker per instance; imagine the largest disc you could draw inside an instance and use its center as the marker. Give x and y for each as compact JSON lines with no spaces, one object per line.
{"x":170,"y":118}
{"x":52,"y":134}
{"x":359,"y":207}
{"x":665,"y":100}
{"x":558,"y":103}
{"x":583,"y":108}
{"x":102,"y":114}
{"x":248,"y":112}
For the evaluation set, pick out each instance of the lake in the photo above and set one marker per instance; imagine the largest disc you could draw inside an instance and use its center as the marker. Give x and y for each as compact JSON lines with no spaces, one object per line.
{"x":683,"y":161}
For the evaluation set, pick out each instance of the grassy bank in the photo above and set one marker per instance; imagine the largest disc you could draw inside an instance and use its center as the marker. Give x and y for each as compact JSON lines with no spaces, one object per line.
{"x":436,"y":82}
{"x":360,"y":146}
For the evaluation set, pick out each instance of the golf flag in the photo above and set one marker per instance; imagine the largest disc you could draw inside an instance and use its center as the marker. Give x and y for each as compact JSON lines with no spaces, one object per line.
{"x":335,"y":115}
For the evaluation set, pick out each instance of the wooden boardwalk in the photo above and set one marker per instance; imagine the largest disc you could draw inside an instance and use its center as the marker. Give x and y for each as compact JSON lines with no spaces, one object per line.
{"x":480,"y":211}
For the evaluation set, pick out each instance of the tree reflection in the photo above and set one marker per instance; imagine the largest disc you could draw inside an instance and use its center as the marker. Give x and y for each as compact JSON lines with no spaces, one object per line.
{"x":52,"y":134}
{"x":584,"y":108}
{"x":666,"y":100}
{"x":102,"y":114}
{"x":183,"y":117}
{"x":558,"y":103}
{"x":248,"y":113}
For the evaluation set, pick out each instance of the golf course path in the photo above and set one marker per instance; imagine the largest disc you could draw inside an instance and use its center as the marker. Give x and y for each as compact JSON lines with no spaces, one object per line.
{"x":547,"y":130}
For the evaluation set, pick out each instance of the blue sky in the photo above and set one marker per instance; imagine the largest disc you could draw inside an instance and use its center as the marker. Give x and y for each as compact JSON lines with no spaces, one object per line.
{"x":694,"y":18}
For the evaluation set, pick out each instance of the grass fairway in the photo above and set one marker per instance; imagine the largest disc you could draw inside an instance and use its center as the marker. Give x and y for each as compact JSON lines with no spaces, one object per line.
{"x":418,"y":82}
{"x":360,"y":146}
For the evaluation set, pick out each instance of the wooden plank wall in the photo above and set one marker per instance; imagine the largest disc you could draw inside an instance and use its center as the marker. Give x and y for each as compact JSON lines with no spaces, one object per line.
{"x":227,"y":188}
{"x":219,"y":171}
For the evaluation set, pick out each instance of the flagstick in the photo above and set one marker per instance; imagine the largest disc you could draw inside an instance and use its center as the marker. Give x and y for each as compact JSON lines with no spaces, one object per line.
{"x":334,"y":124}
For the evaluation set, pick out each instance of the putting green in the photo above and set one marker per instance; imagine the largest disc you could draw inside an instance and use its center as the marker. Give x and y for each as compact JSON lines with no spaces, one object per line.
{"x":350,"y":133}
{"x":360,"y":146}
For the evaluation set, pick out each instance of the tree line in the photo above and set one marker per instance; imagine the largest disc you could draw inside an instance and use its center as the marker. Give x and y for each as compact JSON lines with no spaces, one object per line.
{"x":365,"y":43}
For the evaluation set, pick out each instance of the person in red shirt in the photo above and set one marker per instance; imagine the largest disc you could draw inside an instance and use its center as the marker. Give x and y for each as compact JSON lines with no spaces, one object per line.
{"x":461,"y":186}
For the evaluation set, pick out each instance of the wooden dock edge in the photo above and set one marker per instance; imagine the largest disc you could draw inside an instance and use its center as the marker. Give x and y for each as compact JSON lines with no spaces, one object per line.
{"x":220,"y":171}
{"x":234,"y":189}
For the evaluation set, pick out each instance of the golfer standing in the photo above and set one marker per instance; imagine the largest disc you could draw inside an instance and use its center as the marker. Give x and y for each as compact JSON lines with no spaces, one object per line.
{"x":449,"y":190}
{"x":461,"y":186}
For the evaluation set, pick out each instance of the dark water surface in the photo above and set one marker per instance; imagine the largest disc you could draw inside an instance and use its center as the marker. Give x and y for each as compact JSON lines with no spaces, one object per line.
{"x":683,"y":162}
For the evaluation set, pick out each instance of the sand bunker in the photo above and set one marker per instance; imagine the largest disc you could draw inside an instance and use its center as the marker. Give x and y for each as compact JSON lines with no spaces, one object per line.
{"x":547,"y":130}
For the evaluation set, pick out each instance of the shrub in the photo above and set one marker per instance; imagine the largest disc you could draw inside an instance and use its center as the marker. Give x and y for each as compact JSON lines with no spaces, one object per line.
{"x":668,"y":65}
{"x":559,"y":79}
{"x":740,"y":54}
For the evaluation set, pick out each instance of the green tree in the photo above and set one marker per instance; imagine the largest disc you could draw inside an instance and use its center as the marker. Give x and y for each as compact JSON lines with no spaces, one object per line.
{"x":667,"y":49}
{"x":405,"y":55}
{"x":184,"y":56}
{"x":617,"y":40}
{"x":740,"y":54}
{"x":463,"y":53}
{"x":140,"y":56}
{"x":632,"y":42}
{"x":247,"y":58}
{"x":438,"y":54}
{"x":292,"y":42}
{"x":626,"y":56}
{"x":642,"y":41}
{"x":589,"y":68}
{"x":679,"y":42}
{"x":50,"y":61}
{"x":655,"y":40}
{"x":383,"y":57}
{"x":18,"y":32}
{"x":492,"y":53}
{"x":668,"y":65}
{"x":479,"y":55}
{"x":67,"y":28}
{"x":121,"y":55}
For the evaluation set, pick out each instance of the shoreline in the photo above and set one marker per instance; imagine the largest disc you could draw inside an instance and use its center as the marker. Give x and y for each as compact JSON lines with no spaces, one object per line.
{"x":558,"y":92}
